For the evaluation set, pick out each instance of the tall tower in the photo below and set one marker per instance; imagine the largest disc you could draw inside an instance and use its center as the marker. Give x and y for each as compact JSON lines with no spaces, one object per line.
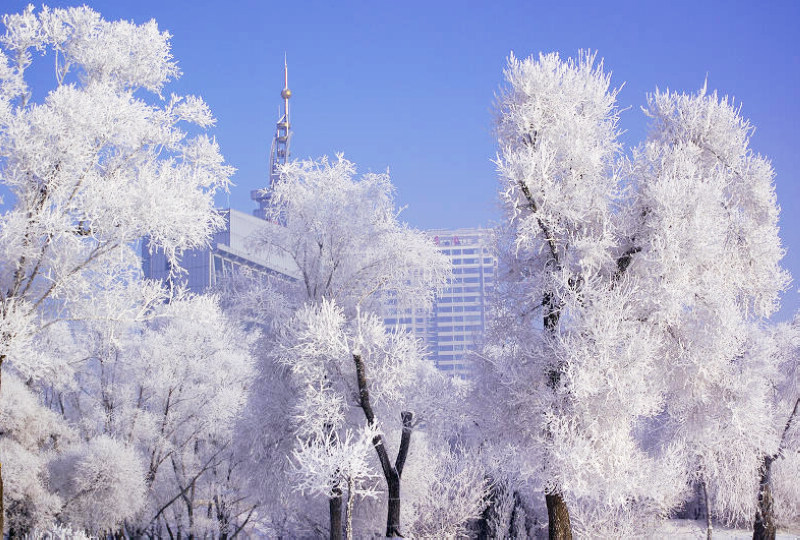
{"x":279,"y":153}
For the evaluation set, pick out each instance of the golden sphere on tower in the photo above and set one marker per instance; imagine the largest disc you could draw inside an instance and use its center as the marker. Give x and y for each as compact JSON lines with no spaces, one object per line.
{"x":286,"y":93}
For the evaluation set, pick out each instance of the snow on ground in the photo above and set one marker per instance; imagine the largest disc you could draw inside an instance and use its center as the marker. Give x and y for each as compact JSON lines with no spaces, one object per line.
{"x":684,"y":529}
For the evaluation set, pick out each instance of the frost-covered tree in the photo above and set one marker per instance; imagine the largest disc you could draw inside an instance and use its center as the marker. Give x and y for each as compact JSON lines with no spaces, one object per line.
{"x":189,"y":376}
{"x":350,"y":251}
{"x":704,"y":218}
{"x":446,"y":489}
{"x":651,"y":292}
{"x":570,"y":373}
{"x":345,"y":238}
{"x":69,"y":356}
{"x":101,"y":484}
{"x":100,"y":161}
{"x":170,"y":388}
{"x":354,"y":375}
{"x":327,"y":463}
{"x":778,"y":495}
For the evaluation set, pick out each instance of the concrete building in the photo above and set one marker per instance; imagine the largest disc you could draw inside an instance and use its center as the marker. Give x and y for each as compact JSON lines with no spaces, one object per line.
{"x":457,"y":322}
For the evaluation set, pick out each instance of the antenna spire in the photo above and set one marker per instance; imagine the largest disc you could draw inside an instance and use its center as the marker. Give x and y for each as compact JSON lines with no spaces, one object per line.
{"x":279,"y":153}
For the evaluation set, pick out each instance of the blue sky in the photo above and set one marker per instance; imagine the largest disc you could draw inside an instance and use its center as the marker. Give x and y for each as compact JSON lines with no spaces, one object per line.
{"x":409,"y":85}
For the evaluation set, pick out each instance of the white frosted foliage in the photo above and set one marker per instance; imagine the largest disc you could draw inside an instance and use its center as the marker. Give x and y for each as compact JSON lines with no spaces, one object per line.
{"x":627,"y":327}
{"x":99,"y":162}
{"x":101,"y":483}
{"x":579,"y":387}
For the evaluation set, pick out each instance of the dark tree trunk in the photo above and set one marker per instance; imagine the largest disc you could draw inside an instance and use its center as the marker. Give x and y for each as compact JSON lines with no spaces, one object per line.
{"x":335,"y":505}
{"x":707,"y":504}
{"x":349,"y":510}
{"x":518,"y":526}
{"x":393,"y":514}
{"x":764,"y":527}
{"x":482,"y":527}
{"x":559,"y":527}
{"x":392,"y":473}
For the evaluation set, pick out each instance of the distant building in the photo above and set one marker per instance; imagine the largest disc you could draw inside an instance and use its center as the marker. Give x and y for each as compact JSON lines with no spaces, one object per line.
{"x":456,"y":324}
{"x":231,"y":249}
{"x":453,"y":328}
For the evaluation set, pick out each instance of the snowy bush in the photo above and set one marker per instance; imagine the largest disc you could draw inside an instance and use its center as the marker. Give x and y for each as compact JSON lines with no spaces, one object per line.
{"x":101,"y":483}
{"x":31,"y":436}
{"x":447,"y":491}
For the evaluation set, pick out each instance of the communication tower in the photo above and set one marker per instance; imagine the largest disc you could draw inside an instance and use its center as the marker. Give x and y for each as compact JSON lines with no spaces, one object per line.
{"x":279,"y":152}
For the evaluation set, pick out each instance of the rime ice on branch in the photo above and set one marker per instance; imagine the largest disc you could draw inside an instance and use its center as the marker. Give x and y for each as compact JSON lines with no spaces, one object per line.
{"x":102,"y":160}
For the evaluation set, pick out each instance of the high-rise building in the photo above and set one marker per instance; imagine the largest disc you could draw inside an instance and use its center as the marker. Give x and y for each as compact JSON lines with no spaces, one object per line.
{"x":456,"y":324}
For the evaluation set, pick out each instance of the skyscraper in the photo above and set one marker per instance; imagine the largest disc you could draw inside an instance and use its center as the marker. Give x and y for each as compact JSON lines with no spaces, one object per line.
{"x":456,"y":324}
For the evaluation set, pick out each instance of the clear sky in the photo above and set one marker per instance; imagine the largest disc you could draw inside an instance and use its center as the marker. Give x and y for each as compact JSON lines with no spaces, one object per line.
{"x":409,"y":85}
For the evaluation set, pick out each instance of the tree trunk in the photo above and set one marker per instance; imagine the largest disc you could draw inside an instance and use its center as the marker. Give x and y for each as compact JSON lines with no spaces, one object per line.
{"x":393,"y":514}
{"x":335,"y":505}
{"x":764,"y":527}
{"x":350,"y":503}
{"x":559,"y":527}
{"x":483,"y":529}
{"x":709,"y":525}
{"x":392,"y":473}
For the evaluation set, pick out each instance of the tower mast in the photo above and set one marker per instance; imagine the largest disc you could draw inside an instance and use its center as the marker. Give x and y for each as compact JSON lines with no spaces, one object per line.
{"x":279,"y":152}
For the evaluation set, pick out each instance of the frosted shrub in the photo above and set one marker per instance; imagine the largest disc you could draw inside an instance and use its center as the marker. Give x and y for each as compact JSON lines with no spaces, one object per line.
{"x":31,"y":436}
{"x":101,"y":484}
